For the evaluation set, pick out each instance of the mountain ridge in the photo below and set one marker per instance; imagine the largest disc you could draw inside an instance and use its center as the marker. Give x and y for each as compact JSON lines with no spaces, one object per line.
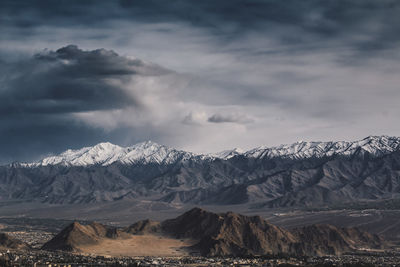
{"x":150,"y":152}
{"x":173,"y":178}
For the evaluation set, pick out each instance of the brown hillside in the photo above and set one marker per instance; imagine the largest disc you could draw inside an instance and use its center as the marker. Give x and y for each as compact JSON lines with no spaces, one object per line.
{"x":212,"y":234}
{"x":143,"y":227}
{"x":7,"y":241}
{"x":322,"y":239}
{"x":230,"y":233}
{"x":76,"y":235}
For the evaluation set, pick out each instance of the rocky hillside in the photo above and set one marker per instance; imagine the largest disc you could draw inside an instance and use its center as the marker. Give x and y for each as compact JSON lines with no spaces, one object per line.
{"x":320,"y":239}
{"x":230,"y":233}
{"x":144,"y":227}
{"x":227,"y":234}
{"x":9,"y":242}
{"x":235,"y":234}
{"x":76,"y":235}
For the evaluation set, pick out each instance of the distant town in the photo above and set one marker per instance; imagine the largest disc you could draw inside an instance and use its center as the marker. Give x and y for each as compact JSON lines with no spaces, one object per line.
{"x":38,"y":258}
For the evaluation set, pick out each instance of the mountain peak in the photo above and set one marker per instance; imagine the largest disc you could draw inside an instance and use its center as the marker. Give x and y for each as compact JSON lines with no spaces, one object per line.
{"x":105,"y":145}
{"x":76,"y":234}
{"x":378,"y":137}
{"x":106,"y":153}
{"x":227,"y":154}
{"x":147,"y":143}
{"x":375,"y":145}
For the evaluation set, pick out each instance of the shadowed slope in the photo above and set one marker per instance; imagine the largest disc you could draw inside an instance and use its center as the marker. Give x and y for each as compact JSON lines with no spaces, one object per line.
{"x":143,"y":227}
{"x":230,"y":233}
{"x":322,"y":239}
{"x":7,"y":241}
{"x":76,"y":235}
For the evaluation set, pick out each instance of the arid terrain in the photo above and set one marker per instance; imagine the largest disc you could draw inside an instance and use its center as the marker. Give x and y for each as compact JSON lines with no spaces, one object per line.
{"x":200,"y":232}
{"x":140,"y":245}
{"x":180,"y":241}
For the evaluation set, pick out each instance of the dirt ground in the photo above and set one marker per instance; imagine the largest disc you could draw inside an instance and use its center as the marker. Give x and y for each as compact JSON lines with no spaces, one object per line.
{"x":140,"y":245}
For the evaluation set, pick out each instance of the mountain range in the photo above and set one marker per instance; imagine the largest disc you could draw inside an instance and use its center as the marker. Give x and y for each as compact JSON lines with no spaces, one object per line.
{"x":222,"y":234}
{"x":300,"y":174}
{"x":149,"y":152}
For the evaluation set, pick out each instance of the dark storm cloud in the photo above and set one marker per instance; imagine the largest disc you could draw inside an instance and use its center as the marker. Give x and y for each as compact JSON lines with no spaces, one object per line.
{"x":71,"y":80}
{"x":39,"y":96}
{"x":292,"y":22}
{"x":296,"y":68}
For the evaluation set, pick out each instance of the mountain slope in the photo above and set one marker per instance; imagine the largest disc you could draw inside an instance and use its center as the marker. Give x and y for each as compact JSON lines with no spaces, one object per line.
{"x":373,"y":145}
{"x":301,"y":174}
{"x":77,"y":235}
{"x":230,"y":233}
{"x":225,"y":234}
{"x":321,"y":239}
{"x":9,"y":242}
{"x":150,"y":152}
{"x":107,"y":154}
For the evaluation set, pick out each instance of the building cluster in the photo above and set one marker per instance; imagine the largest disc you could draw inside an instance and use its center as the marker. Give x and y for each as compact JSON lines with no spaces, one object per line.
{"x":37,"y":258}
{"x":35,"y":239}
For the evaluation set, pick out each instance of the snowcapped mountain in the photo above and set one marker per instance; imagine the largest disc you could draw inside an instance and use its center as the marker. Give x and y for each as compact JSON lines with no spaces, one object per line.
{"x":150,"y":152}
{"x":375,"y":145}
{"x":107,"y":153}
{"x":227,"y":154}
{"x":299,"y":174}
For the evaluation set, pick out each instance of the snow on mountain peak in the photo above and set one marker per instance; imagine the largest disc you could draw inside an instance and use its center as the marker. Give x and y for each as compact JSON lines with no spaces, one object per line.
{"x":227,"y":154}
{"x":149,"y":152}
{"x":107,"y":153}
{"x":375,"y":145}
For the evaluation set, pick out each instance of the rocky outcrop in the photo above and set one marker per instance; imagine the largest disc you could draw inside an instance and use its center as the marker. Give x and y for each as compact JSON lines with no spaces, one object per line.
{"x":322,"y":239}
{"x":144,"y":227}
{"x":76,"y":235}
{"x":9,"y":242}
{"x":235,"y":234}
{"x":227,"y":234}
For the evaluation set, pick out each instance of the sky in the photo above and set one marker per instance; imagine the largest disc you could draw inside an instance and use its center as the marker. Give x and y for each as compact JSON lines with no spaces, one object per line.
{"x":201,"y":76}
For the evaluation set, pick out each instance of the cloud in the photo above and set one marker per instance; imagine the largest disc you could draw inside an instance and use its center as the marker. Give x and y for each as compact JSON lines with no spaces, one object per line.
{"x":99,"y":62}
{"x":195,"y":118}
{"x":231,"y":118}
{"x":364,"y":26}
{"x":231,"y":73}
{"x":72,"y":80}
{"x":41,"y":96}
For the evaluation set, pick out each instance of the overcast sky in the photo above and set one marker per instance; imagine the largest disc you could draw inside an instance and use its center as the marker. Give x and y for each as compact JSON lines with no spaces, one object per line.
{"x":202,"y":76}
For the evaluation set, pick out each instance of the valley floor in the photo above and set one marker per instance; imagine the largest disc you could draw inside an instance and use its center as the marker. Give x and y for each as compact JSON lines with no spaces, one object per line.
{"x":140,"y":245}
